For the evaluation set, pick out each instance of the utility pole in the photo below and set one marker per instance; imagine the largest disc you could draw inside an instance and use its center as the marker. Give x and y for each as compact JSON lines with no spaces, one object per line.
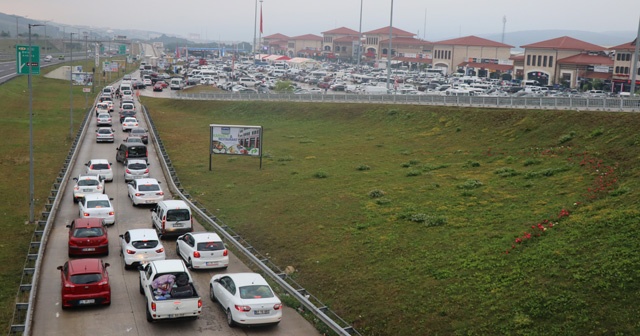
{"x":71,"y":88}
{"x":389,"y":50}
{"x":359,"y":53}
{"x":634,"y":66}
{"x":31,"y":174}
{"x":255,"y":27}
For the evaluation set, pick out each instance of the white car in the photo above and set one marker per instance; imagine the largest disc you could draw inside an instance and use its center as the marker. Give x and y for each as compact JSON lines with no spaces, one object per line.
{"x":135,"y":169}
{"x":141,"y":245}
{"x":102,"y":107}
{"x":87,"y":184}
{"x":147,"y":82}
{"x":97,"y":206}
{"x":105,"y":134}
{"x":129,"y":123}
{"x":100,"y":167}
{"x":145,"y":191}
{"x":48,"y":58}
{"x":202,"y":250}
{"x":103,"y":119}
{"x":246,"y":298}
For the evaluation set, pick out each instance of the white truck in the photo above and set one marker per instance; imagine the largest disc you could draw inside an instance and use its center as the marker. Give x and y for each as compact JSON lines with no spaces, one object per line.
{"x":169,"y":291}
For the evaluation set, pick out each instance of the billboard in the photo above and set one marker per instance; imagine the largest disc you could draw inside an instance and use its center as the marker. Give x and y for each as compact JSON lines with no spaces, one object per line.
{"x":236,"y":140}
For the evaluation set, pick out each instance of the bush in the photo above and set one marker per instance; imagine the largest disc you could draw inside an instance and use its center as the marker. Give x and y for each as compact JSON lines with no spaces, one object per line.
{"x":470,"y":184}
{"x":377,"y":193}
{"x":505,"y":172}
{"x":321,"y":174}
{"x":363,"y":167}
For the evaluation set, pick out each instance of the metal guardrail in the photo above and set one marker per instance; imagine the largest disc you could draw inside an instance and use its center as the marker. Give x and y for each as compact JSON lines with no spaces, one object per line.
{"x":551,"y":103}
{"x":310,"y":302}
{"x":23,"y":313}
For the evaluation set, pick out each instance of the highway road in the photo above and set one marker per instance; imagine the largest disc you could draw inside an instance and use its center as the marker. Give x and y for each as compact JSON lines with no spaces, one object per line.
{"x":126,"y":315}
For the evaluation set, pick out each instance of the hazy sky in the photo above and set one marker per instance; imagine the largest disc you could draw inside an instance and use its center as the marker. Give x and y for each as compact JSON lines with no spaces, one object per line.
{"x":233,"y":20}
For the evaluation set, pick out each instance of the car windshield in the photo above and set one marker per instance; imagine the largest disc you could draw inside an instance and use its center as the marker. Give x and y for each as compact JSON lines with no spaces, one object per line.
{"x":178,"y":215}
{"x":83,"y":279}
{"x":87,"y":232}
{"x":144,"y":244}
{"x":98,"y":204}
{"x":137,"y":166}
{"x":99,"y":166}
{"x":104,"y":131}
{"x":256,"y":292}
{"x":210,"y":246}
{"x":149,"y":187}
{"x":88,"y":182}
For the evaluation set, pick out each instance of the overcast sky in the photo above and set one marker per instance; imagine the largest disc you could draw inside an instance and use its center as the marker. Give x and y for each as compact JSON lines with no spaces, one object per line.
{"x":233,"y":20}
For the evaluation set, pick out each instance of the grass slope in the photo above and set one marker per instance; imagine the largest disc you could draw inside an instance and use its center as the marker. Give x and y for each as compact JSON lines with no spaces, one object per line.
{"x":412,"y":220}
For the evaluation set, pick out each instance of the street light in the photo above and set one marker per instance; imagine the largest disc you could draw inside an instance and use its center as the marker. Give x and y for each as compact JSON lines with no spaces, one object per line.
{"x":31,"y":192}
{"x":359,"y":55}
{"x":71,"y":87}
{"x":389,"y":50}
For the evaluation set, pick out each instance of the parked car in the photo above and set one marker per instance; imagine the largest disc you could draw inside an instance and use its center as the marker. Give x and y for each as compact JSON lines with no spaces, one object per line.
{"x":84,"y":282}
{"x":145,"y":191}
{"x":202,"y":250}
{"x":88,"y":236}
{"x":100,"y":167}
{"x":97,"y":206}
{"x":140,"y":132}
{"x":246,"y":298}
{"x":87,"y":184}
{"x":141,"y":245}
{"x":105,"y":134}
{"x":135,"y":169}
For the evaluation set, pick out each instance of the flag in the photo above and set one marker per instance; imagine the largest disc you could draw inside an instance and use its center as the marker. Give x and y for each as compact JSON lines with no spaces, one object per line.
{"x":261,"y":19}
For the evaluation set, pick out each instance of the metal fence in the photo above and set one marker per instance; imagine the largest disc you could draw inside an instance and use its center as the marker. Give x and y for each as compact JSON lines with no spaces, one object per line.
{"x":547,"y":103}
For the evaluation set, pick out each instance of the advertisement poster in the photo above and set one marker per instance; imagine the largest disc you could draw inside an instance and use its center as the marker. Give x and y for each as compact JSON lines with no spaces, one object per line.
{"x":236,"y":140}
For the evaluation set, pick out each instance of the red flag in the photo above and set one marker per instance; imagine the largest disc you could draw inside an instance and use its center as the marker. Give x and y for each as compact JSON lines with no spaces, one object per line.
{"x":261,"y":19}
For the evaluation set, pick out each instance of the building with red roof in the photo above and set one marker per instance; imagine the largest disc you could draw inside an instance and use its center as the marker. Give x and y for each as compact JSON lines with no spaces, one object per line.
{"x":623,"y":66}
{"x":275,"y":43}
{"x":304,"y":46}
{"x":472,"y":55}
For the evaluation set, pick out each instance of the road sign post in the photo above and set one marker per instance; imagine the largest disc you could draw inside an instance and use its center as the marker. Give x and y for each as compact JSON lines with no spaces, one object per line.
{"x":23,"y":62}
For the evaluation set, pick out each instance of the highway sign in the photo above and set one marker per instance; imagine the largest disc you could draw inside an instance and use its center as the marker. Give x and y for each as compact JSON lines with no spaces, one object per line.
{"x":22,"y":60}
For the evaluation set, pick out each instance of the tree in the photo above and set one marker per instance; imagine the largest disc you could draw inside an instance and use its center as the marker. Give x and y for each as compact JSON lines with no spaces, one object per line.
{"x":5,"y":34}
{"x":283,"y":86}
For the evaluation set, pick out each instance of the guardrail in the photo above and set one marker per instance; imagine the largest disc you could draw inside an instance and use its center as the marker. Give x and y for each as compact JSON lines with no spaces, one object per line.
{"x":310,"y":302}
{"x":23,"y":312}
{"x":550,"y":103}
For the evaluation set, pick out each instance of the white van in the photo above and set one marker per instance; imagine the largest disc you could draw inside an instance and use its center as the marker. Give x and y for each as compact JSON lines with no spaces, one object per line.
{"x":279,"y":72}
{"x":247,"y":81}
{"x":172,"y":218}
{"x":176,"y":84}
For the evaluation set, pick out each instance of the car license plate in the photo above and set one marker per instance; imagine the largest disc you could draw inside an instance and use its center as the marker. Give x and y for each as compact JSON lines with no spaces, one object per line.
{"x":177,"y":224}
{"x":87,"y":249}
{"x":261,"y":312}
{"x":86,"y":190}
{"x":175,"y":315}
{"x":91,"y":301}
{"x":212,"y":263}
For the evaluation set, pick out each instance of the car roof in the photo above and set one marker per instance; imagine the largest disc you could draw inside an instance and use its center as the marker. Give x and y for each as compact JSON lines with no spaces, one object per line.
{"x":105,"y":128}
{"x":143,"y":234}
{"x":247,"y":279}
{"x":147,"y":181}
{"x":138,"y":129}
{"x":96,"y":197}
{"x":84,"y":266}
{"x":205,"y":237}
{"x":169,"y":266}
{"x":134,"y":144}
{"x":175,"y":203}
{"x":104,"y":114}
{"x":88,"y":222}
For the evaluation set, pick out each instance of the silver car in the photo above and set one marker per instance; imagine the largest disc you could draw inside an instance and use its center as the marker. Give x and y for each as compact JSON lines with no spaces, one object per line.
{"x":136,"y":169}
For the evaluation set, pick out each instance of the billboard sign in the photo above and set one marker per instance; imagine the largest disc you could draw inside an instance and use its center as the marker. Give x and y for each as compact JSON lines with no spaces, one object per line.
{"x":236,"y":140}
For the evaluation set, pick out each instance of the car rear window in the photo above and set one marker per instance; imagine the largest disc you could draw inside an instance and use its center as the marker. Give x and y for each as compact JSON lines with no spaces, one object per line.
{"x":104,"y":131}
{"x":144,"y":244}
{"x":98,"y":166}
{"x":255,"y":292}
{"x":138,"y":151}
{"x":83,"y":279}
{"x":149,"y":187}
{"x":98,"y":204}
{"x":138,"y":131}
{"x":85,"y":183}
{"x":211,"y":246}
{"x":87,"y":232}
{"x":137,"y":166}
{"x":178,"y":215}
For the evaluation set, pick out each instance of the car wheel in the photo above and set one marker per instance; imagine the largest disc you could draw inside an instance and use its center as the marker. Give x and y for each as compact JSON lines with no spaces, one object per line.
{"x":212,"y":296}
{"x":75,"y":200}
{"x":230,"y":321}
{"x":141,"y":289}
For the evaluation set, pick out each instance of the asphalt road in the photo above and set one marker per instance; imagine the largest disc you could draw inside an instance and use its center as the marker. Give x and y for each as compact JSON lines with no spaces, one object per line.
{"x":126,"y":315}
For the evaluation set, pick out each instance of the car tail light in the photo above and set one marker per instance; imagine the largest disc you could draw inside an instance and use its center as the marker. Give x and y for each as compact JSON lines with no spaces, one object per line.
{"x":199,"y":303}
{"x":225,"y":253}
{"x":138,"y":194}
{"x":76,"y":188}
{"x":111,"y":213}
{"x":131,"y":251}
{"x":99,"y":187}
{"x":277,"y":306}
{"x":160,"y":193}
{"x":153,"y":306}
{"x":128,"y":171}
{"x":86,"y":214}
{"x":126,"y":154}
{"x":69,"y":285}
{"x":146,"y":171}
{"x":160,"y":250}
{"x":196,"y":254}
{"x":243,"y":308}
{"x":164,"y":221}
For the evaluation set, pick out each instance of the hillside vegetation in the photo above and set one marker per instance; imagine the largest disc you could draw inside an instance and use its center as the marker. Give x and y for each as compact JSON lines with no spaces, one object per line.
{"x":413,"y":220}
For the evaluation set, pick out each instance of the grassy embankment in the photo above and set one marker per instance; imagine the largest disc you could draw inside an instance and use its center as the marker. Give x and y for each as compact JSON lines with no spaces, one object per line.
{"x":51,"y":145}
{"x":412,"y":220}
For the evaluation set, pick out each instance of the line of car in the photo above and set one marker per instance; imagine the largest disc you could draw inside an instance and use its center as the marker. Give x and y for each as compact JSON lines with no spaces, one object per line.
{"x":245,"y":297}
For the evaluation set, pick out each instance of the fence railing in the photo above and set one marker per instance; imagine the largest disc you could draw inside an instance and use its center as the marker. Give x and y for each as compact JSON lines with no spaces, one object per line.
{"x":551,"y":103}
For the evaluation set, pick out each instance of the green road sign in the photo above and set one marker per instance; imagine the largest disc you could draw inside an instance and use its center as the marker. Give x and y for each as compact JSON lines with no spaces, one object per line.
{"x":22,"y":60}
{"x":123,"y":49}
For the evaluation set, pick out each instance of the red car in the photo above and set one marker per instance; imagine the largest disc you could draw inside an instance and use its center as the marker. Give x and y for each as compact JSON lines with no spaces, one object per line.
{"x":88,"y":236}
{"x":85,"y":282}
{"x":158,"y":87}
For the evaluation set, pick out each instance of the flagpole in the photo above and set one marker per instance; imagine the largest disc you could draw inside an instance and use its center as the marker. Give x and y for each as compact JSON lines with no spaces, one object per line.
{"x":634,"y":66}
{"x":260,"y":35}
{"x":255,"y":22}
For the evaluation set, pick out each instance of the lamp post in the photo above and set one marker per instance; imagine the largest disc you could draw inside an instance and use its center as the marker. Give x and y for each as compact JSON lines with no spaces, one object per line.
{"x":255,"y":27}
{"x":31,"y":175}
{"x":359,"y":55}
{"x":71,"y":87}
{"x":389,"y":50}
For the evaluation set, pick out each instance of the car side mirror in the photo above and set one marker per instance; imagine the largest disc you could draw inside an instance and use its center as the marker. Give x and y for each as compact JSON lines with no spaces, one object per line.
{"x":216,"y":280}
{"x":121,"y":236}
{"x":59,"y":267}
{"x":107,"y":265}
{"x":111,"y":198}
{"x":75,"y":179}
{"x":152,"y":209}
{"x":68,"y":225}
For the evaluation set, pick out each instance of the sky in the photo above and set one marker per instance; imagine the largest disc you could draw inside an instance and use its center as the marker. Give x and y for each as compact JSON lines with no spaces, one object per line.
{"x":234,"y":20}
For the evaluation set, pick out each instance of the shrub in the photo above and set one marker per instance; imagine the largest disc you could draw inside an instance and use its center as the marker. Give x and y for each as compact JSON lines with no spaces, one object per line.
{"x":597,"y":132}
{"x":413,"y":172}
{"x":376,"y":193}
{"x":363,"y":167}
{"x":470,"y":184}
{"x":531,"y":162}
{"x":505,"y":172}
{"x":567,"y":137}
{"x":321,"y":174}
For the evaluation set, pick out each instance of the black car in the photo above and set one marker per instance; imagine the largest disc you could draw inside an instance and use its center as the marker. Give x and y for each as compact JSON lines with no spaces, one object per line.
{"x":131,"y":150}
{"x":140,"y":132}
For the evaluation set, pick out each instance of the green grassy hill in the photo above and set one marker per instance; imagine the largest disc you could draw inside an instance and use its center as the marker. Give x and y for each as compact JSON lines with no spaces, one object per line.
{"x":412,"y":220}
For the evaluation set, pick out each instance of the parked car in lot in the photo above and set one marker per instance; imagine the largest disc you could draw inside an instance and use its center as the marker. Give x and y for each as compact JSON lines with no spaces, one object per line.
{"x":105,"y":134}
{"x":139,"y":246}
{"x":202,"y":250}
{"x":97,"y":206}
{"x":87,"y":184}
{"x":84,"y":282}
{"x":140,"y":132}
{"x":246,"y":298}
{"x":129,"y":123}
{"x":145,"y":191}
{"x":88,"y":236}
{"x":99,"y":167}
